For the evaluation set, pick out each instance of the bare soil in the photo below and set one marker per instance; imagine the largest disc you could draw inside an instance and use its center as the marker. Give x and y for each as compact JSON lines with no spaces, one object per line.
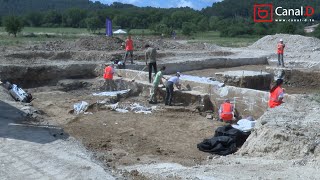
{"x":171,"y":133}
{"x":167,"y":135}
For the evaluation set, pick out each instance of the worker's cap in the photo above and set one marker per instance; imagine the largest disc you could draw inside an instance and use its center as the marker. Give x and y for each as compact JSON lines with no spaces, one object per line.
{"x":281,"y":40}
{"x":178,"y":74}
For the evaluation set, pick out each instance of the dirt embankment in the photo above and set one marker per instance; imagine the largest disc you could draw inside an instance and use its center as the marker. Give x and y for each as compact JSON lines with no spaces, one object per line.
{"x":103,"y":43}
{"x":290,"y":131}
{"x":300,"y":51}
{"x":293,"y":43}
{"x":95,"y":48}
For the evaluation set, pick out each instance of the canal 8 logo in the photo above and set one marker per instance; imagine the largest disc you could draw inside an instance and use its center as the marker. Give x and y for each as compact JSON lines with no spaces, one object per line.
{"x":263,"y":13}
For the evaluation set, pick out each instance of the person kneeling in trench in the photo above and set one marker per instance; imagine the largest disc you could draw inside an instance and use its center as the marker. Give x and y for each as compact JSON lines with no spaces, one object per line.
{"x":227,"y":112}
{"x":109,"y":83}
{"x":155,"y":88}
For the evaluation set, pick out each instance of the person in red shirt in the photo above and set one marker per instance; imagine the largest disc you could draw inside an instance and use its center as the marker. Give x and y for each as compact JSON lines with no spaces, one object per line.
{"x":109,"y":71}
{"x":280,"y":49}
{"x":226,"y":111}
{"x":276,"y":94}
{"x":129,"y":49}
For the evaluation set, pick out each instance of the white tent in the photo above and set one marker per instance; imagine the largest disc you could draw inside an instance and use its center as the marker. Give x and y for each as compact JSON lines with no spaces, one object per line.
{"x":119,"y":31}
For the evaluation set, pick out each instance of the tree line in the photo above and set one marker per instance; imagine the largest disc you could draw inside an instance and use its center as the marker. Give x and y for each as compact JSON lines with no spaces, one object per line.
{"x":230,"y":17}
{"x":123,"y":16}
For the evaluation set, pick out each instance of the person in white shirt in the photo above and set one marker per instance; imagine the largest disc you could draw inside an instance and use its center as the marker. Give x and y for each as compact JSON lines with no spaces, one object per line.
{"x":169,"y":88}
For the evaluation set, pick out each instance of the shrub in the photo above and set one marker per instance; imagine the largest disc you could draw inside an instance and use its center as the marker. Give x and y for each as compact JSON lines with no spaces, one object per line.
{"x":13,"y":25}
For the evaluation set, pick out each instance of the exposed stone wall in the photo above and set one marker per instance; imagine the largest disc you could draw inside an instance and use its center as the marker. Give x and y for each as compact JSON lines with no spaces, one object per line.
{"x":181,"y":66}
{"x":247,"y":101}
{"x":39,"y":75}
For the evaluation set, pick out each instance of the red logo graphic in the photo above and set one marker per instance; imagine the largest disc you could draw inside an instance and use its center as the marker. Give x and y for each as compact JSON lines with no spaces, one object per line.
{"x":309,"y":11}
{"x":263,"y":13}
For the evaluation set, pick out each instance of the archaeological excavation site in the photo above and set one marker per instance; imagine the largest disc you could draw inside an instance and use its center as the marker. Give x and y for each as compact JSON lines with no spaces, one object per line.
{"x":111,"y":129}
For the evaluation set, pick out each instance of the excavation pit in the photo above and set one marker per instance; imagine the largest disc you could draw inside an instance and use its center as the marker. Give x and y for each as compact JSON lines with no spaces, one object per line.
{"x":246,"y":79}
{"x":124,"y":139}
{"x":163,"y":144}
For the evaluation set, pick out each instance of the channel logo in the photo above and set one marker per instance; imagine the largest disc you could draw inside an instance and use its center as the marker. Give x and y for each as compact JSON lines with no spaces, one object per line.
{"x":266,"y":13}
{"x":263,"y":13}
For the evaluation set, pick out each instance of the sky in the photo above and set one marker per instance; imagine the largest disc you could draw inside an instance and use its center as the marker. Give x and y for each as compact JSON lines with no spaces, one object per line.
{"x":195,"y":4}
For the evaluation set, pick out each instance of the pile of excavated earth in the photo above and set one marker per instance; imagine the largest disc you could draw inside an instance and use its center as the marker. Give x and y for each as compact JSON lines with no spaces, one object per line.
{"x":159,"y":142}
{"x":110,"y":44}
{"x":300,"y":50}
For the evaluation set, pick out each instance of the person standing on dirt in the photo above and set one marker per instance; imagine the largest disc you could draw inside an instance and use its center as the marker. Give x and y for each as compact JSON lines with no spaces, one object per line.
{"x":157,"y":80}
{"x":174,"y":34}
{"x":280,"y":49}
{"x":226,"y":111}
{"x":169,"y":88}
{"x":109,"y":71}
{"x":129,"y":49}
{"x":276,"y":94}
{"x":151,"y":60}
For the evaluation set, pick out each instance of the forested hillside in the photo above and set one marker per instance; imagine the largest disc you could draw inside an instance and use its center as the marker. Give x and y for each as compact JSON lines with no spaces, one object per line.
{"x":233,"y":8}
{"x":230,"y":17}
{"x":21,"y":7}
{"x":235,"y":18}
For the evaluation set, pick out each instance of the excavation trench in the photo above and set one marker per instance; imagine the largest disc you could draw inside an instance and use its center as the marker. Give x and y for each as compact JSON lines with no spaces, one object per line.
{"x":60,"y":75}
{"x":126,"y":139}
{"x":209,"y":95}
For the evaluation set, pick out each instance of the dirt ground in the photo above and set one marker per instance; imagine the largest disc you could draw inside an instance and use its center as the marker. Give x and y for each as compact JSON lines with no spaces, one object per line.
{"x":169,"y":134}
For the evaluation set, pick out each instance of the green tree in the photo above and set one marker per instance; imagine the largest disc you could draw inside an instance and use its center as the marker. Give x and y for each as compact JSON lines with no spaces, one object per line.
{"x":288,"y":28}
{"x":34,"y":19}
{"x":52,"y":19}
{"x":161,"y":29}
{"x":203,"y":24}
{"x":13,"y":25}
{"x":188,"y":28}
{"x":122,"y":20}
{"x":260,"y":29}
{"x":214,"y":23}
{"x":74,"y":17}
{"x":93,"y":24}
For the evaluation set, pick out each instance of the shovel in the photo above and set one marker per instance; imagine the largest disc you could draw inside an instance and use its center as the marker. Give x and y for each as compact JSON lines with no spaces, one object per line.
{"x":138,"y":74}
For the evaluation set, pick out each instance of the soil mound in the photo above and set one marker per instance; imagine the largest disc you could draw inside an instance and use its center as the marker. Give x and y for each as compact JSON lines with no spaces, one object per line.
{"x":57,"y":45}
{"x":293,"y":43}
{"x":282,"y":134}
{"x":101,"y":43}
